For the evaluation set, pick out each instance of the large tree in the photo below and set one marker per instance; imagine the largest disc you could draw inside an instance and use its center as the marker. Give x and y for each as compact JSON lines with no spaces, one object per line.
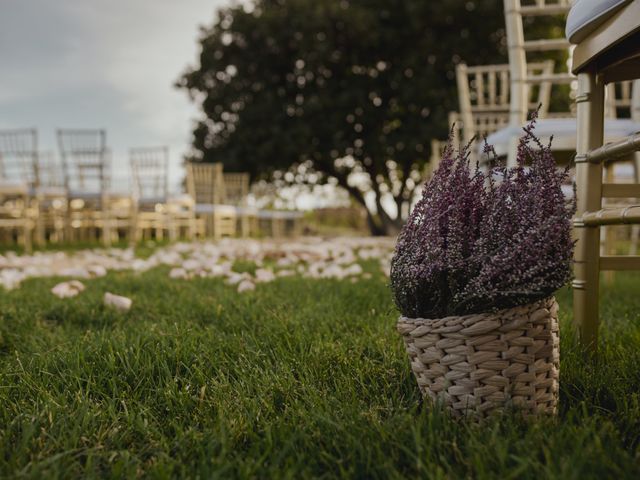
{"x":354,"y":90}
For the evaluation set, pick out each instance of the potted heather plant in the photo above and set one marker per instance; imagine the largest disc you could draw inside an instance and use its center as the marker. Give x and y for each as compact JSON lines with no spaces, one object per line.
{"x":473,"y":275}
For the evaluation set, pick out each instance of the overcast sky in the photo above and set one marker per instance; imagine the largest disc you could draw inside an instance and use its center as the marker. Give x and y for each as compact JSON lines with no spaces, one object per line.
{"x":102,"y":64}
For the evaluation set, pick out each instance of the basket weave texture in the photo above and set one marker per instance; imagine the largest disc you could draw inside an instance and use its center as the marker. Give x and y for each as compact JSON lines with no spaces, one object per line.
{"x":475,"y":364}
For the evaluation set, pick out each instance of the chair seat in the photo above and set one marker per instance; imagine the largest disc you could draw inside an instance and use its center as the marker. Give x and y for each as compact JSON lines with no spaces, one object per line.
{"x":50,"y":191}
{"x":85,"y":195}
{"x":247,"y":211}
{"x":279,"y":214}
{"x":152,"y":201}
{"x":587,"y":15}
{"x":208,"y":208}
{"x":13,"y":186}
{"x":563,"y":131}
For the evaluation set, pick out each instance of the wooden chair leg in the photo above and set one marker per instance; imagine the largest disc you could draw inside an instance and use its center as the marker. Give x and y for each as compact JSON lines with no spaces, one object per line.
{"x":40,"y":227}
{"x":608,"y":235}
{"x":106,"y":226}
{"x":590,"y":107}
{"x":173,"y":227}
{"x":26,"y":232}
{"x":635,"y":229}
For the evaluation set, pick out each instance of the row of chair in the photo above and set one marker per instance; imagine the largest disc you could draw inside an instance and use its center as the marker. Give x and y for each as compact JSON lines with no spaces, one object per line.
{"x":44,"y":201}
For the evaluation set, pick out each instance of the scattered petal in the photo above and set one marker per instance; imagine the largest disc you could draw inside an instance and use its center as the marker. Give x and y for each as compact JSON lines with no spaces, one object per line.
{"x":67,"y":289}
{"x":178,"y":273}
{"x":118,"y":302}
{"x":245,"y":286}
{"x":264,"y":275}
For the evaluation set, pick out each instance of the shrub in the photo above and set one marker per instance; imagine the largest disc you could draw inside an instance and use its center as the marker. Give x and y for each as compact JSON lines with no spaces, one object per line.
{"x":479,"y":240}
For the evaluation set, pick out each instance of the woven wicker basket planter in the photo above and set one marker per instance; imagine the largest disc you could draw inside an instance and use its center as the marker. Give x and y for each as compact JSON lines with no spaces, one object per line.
{"x":476,"y":364}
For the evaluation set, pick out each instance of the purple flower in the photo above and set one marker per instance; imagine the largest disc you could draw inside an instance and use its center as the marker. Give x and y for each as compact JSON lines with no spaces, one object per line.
{"x":483,"y":240}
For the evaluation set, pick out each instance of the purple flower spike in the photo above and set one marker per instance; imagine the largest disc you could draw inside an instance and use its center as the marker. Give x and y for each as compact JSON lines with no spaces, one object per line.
{"x":480,"y":241}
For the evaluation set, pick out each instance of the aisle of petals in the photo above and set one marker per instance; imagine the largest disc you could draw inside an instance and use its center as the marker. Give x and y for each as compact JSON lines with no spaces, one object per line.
{"x":336,"y":258}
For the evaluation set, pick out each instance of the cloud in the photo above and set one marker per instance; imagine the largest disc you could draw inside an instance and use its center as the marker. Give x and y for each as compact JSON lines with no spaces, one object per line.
{"x":105,"y":64}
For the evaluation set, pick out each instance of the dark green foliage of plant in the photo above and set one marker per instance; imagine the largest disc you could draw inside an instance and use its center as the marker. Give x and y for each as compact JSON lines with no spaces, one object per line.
{"x":310,"y":82}
{"x":299,"y":379}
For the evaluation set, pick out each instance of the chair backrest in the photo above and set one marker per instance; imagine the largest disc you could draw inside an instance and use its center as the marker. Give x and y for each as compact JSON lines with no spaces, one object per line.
{"x":520,"y":21}
{"x":85,"y":159}
{"x":150,"y":167}
{"x":483,"y":96}
{"x":49,"y":170}
{"x":622,"y":100}
{"x":205,"y":183}
{"x":19,"y":156}
{"x":236,"y":188}
{"x":518,"y":15}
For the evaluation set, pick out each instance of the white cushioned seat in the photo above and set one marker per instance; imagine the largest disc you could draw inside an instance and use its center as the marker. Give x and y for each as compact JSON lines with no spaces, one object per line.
{"x":563,"y":131}
{"x":249,"y":211}
{"x":14,"y":186}
{"x":151,"y":200}
{"x":587,"y":15}
{"x":206,"y":208}
{"x":279,"y":214}
{"x":85,"y":195}
{"x":51,"y":191}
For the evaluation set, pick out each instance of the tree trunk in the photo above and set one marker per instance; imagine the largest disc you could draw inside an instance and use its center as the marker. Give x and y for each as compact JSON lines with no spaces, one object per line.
{"x":381,"y":226}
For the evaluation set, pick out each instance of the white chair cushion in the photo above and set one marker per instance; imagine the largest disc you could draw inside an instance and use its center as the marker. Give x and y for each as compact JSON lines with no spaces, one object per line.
{"x":587,"y":15}
{"x":279,"y":214}
{"x":563,"y":131}
{"x":51,"y":191}
{"x":151,"y":200}
{"x":248,"y":211}
{"x":205,"y":208}
{"x":85,"y":195}
{"x":13,"y":185}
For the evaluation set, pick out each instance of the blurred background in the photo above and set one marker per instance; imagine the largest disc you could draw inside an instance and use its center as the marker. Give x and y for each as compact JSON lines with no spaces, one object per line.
{"x":102,"y":64}
{"x":335,"y":107}
{"x":363,"y":82}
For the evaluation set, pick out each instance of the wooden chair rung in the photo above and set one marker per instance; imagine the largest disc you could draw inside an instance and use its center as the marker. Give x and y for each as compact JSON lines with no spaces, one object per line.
{"x":621,"y":190}
{"x":546,"y":45}
{"x":547,"y":10}
{"x":629,"y":214}
{"x":551,"y":77}
{"x":617,"y":149}
{"x":619,"y":262}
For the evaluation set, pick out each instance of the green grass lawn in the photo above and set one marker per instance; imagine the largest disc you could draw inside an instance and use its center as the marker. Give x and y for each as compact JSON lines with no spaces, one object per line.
{"x":300,"y":378}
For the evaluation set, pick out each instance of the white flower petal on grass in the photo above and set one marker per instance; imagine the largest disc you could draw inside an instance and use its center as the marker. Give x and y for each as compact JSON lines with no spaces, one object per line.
{"x":97,"y":271}
{"x":217,"y":270}
{"x":246,"y":286}
{"x":118,"y":302}
{"x":235,"y":278}
{"x":178,"y":273}
{"x":75,"y":272}
{"x":333,"y":271}
{"x":67,"y":289}
{"x":285,"y":273}
{"x":11,"y":278}
{"x":191,"y":264}
{"x":354,"y":269}
{"x":264,"y":275}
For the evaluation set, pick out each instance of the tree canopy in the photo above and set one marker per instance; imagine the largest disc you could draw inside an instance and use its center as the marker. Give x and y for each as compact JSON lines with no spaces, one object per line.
{"x":354,"y":90}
